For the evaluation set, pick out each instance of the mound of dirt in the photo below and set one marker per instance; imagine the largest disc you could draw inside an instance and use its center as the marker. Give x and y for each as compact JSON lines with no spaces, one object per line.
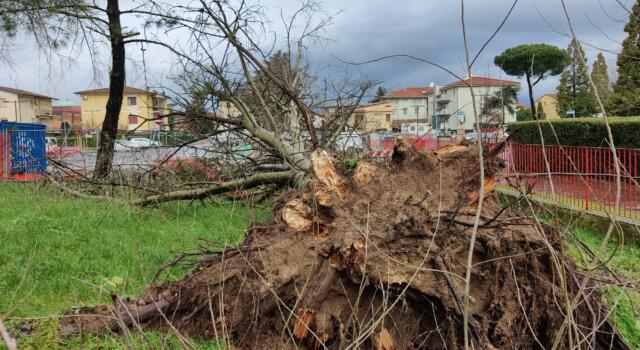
{"x":377,"y":260}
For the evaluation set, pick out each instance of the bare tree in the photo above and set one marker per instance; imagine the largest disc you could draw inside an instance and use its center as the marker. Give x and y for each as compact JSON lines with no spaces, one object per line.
{"x":261,"y":85}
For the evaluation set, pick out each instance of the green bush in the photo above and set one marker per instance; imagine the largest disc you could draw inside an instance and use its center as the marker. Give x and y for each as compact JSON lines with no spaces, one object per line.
{"x":578,"y":132}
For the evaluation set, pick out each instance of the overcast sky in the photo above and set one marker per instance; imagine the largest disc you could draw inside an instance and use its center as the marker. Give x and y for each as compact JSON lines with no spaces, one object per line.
{"x":367,"y":29}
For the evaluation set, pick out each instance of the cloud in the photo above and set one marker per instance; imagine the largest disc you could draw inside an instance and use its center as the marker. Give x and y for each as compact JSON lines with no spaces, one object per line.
{"x":364,"y":30}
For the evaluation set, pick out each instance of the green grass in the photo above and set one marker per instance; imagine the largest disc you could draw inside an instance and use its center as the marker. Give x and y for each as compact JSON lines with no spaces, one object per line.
{"x":624,"y":303}
{"x":58,"y":252}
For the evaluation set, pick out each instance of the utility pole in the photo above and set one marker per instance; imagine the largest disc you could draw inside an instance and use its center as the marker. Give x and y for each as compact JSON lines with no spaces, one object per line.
{"x":432,"y":85}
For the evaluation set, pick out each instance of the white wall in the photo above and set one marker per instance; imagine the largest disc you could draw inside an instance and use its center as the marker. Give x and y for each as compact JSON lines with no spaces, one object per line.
{"x":410,"y":105}
{"x":460,"y":100}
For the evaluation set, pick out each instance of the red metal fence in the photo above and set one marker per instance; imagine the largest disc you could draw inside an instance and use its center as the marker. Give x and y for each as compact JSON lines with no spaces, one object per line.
{"x":579,"y":176}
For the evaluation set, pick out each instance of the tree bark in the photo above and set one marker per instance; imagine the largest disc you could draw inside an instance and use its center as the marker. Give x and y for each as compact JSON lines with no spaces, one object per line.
{"x":280,"y":177}
{"x":109,"y":131}
{"x":534,"y":113}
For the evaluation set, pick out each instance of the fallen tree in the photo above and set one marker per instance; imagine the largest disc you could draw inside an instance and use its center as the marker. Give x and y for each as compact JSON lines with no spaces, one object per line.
{"x":376,"y":260}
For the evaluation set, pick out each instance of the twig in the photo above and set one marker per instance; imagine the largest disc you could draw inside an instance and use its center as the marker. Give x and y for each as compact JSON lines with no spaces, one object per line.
{"x":7,"y":338}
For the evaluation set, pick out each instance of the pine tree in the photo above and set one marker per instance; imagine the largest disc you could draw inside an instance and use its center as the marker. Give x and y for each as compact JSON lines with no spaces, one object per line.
{"x":600,"y":77}
{"x":574,"y":91}
{"x":625,"y":99}
{"x":540,"y":111}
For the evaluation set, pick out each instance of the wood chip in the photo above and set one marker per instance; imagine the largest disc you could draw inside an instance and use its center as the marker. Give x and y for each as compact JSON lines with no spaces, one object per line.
{"x":303,"y":323}
{"x":384,"y":340}
{"x":297,"y":215}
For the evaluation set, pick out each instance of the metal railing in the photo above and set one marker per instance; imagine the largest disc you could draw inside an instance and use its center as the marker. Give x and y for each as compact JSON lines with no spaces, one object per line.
{"x":578,"y":176}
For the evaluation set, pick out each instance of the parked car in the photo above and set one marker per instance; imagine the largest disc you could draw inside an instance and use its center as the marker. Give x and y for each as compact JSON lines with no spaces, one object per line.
{"x":50,"y":143}
{"x":349,"y":141}
{"x":135,"y":143}
{"x":471,"y":136}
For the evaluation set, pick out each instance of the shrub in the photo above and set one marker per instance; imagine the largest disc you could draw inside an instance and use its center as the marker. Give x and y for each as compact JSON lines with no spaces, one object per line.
{"x":579,"y":132}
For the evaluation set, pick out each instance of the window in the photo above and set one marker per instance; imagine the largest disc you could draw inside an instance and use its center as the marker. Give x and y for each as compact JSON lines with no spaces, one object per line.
{"x":132,"y":101}
{"x":158,"y":102}
{"x":133,"y":119}
{"x":404,"y":111}
{"x":387,"y":117}
{"x":417,"y":109}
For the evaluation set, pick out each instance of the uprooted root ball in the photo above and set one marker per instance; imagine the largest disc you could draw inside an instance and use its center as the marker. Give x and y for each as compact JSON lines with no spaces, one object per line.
{"x":377,"y":260}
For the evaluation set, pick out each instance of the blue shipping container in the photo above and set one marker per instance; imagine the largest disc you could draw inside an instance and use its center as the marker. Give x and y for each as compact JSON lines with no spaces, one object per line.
{"x":24,"y":146}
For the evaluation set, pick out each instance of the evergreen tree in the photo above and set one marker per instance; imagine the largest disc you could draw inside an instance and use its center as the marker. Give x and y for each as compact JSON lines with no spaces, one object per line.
{"x":600,"y":77}
{"x":540,"y":111}
{"x":380,"y":92}
{"x":625,"y":99}
{"x":574,"y":91}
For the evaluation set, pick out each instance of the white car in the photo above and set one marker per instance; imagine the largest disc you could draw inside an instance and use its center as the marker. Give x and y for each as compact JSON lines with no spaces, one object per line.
{"x":349,"y":141}
{"x":135,"y":143}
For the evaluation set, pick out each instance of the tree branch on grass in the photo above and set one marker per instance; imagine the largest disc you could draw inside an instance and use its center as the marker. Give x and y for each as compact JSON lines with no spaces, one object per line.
{"x":275,"y":178}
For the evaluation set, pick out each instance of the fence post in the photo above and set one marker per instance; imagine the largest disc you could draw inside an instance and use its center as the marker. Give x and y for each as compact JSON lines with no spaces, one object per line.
{"x":586,"y":177}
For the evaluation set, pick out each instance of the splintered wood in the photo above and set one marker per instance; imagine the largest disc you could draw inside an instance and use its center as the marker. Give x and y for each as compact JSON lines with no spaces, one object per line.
{"x":325,"y":171}
{"x":297,"y":214}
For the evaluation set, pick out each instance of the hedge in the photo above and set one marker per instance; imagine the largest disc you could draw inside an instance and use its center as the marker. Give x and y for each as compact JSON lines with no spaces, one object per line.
{"x":579,"y":132}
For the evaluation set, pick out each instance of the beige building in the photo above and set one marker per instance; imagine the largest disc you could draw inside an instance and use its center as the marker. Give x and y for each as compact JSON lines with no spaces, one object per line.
{"x":25,"y":107}
{"x":138,"y":108}
{"x":549,"y":104}
{"x":374,"y":117}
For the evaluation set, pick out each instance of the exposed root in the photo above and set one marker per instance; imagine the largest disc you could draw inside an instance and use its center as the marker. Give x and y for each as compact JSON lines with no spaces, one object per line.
{"x":375,"y":261}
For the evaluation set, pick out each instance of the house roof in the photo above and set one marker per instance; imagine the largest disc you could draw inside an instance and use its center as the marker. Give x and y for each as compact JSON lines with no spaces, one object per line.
{"x":481,"y":81}
{"x":23,"y":92}
{"x":66,"y":109}
{"x":555,"y":96}
{"x":127,"y":89}
{"x":410,"y":92}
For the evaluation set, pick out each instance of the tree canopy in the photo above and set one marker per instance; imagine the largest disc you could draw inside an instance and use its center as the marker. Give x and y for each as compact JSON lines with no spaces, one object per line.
{"x":538,"y":60}
{"x":600,"y":77}
{"x":625,"y":100}
{"x":535,"y":62}
{"x":574,"y":90}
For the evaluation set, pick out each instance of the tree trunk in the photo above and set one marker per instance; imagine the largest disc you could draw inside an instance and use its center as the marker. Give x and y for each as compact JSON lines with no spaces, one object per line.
{"x":534,"y":113}
{"x":109,"y":132}
{"x":273,"y":178}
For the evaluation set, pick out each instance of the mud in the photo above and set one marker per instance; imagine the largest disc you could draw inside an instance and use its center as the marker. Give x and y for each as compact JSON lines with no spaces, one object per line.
{"x":377,"y":260}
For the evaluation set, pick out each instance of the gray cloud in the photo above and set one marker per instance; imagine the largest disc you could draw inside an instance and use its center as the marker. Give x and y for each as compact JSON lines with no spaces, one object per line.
{"x":368,"y":29}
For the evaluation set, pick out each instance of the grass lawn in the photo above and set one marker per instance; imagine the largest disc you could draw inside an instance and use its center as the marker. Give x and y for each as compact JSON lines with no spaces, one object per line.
{"x":58,"y":252}
{"x":624,"y":303}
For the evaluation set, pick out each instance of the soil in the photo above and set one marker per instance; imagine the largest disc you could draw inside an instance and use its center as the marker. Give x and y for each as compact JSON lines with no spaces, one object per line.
{"x":376,"y":259}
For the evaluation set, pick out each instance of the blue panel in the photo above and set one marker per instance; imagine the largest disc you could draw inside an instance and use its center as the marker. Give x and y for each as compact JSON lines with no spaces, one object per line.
{"x":28,"y":147}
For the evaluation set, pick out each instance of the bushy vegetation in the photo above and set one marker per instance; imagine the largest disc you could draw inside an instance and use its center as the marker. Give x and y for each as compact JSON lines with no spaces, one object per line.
{"x":578,"y":132}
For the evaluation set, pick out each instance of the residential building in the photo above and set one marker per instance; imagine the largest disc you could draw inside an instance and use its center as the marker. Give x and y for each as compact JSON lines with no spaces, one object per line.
{"x":69,"y":116}
{"x":549,"y":103}
{"x":228,"y":110}
{"x":24,"y":106}
{"x":455,"y":107}
{"x":139,"y":108}
{"x":411,"y":105}
{"x":376,"y":116}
